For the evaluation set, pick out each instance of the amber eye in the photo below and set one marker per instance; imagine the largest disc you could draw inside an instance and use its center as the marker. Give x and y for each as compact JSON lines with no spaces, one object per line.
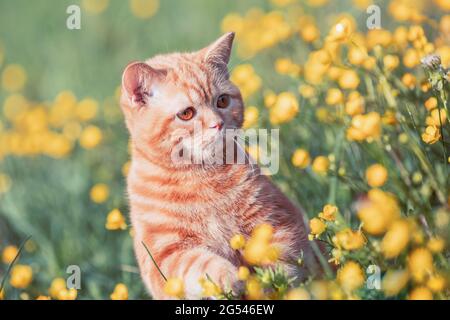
{"x":223,"y":101}
{"x":186,"y":114}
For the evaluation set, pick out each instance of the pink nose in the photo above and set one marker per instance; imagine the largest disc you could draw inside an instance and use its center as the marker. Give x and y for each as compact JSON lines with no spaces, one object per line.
{"x":218,"y":125}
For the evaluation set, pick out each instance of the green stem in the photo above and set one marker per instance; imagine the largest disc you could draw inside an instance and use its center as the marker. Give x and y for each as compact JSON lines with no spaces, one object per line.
{"x":2,"y":285}
{"x":154,"y":262}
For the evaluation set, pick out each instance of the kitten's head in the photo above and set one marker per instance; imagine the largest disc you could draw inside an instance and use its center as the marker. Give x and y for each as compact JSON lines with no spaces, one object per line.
{"x":168,"y":98}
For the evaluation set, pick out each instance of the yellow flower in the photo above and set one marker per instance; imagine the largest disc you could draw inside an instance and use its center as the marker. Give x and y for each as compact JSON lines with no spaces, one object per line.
{"x":115,"y":220}
{"x":350,"y":239}
{"x":376,"y":175}
{"x":365,"y":127}
{"x":21,"y":276}
{"x":317,"y":226}
{"x":334,"y":96}
{"x":396,"y":239}
{"x":287,"y":67}
{"x":310,"y":32}
{"x":14,"y":78}
{"x":390,"y":62}
{"x":409,"y":80}
{"x":245,"y":77}
{"x":431,"y":135}
{"x":269,"y":99}
{"x":319,"y":289}
{"x":67,"y":294}
{"x":250,"y":117}
{"x":431,"y":103}
{"x":86,"y":109}
{"x":436,"y":283}
{"x":306,"y":91}
{"x":420,"y":264}
{"x":43,"y":298}
{"x":348,"y":79}
{"x":436,"y":244}
{"x":263,"y":231}
{"x":341,"y":31}
{"x":329,"y":212}
{"x":357,"y":55}
{"x":350,"y":276}
{"x":95,"y":6}
{"x":243,"y":273}
{"x":285,"y":108}
{"x":354,"y":104}
{"x":144,"y":9}
{"x":380,"y":37}
{"x":378,"y":212}
{"x":9,"y":253}
{"x":120,"y":292}
{"x":420,"y":293}
{"x":174,"y":287}
{"x":99,"y":193}
{"x":320,"y":165}
{"x":91,"y":136}
{"x":2,"y":294}
{"x":394,"y":281}
{"x":411,"y":58}
{"x":301,"y":158}
{"x":437,"y":117}
{"x":237,"y":242}
{"x":255,"y":251}
{"x":57,"y":285}
{"x":210,"y":289}
{"x":298,"y":294}
{"x":254,"y":289}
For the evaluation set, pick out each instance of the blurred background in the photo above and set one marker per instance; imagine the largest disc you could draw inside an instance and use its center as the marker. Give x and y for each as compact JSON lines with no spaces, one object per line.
{"x":63,"y":144}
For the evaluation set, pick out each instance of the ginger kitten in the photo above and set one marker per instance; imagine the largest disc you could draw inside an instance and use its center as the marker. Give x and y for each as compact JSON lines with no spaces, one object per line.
{"x":187,"y":213}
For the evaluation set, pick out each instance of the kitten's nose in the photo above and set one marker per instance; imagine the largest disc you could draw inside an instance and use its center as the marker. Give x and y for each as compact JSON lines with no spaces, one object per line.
{"x":217,"y":125}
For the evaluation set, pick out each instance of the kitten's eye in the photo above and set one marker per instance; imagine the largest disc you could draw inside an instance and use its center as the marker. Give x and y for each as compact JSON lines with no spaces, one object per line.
{"x":223,"y":101}
{"x":186,"y":114}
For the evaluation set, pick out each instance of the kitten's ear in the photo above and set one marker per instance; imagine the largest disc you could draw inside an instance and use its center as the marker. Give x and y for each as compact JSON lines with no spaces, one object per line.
{"x":137,"y":81}
{"x":219,"y":52}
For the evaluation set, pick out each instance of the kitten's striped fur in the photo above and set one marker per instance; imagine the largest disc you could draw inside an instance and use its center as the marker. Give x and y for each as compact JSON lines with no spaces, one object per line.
{"x":187,"y":214}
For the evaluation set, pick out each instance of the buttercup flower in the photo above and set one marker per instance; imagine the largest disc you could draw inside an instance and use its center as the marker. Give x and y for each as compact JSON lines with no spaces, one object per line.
{"x":301,"y":158}
{"x":298,"y":294}
{"x":436,"y":244}
{"x":237,"y":242}
{"x":350,"y":239}
{"x":420,"y":264}
{"x":320,"y":165}
{"x":250,"y":117}
{"x":115,"y":220}
{"x":243,"y":273}
{"x":144,"y":9}
{"x":350,"y":276}
{"x":420,"y":293}
{"x":9,"y":253}
{"x":174,"y":287}
{"x":120,"y":292}
{"x":431,"y":135}
{"x":90,"y":137}
{"x":317,"y":226}
{"x":394,"y":281}
{"x":396,"y":239}
{"x":14,"y":78}
{"x":328,"y":213}
{"x":376,"y":175}
{"x":21,"y":276}
{"x":99,"y":193}
{"x":210,"y":289}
